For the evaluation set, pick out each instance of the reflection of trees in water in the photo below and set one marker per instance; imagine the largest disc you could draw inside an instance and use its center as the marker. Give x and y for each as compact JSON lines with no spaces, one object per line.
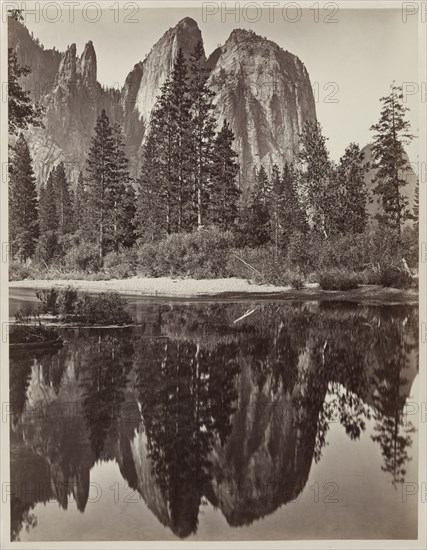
{"x":336,"y":386}
{"x":392,"y":349}
{"x":186,"y":394}
{"x":20,"y":373}
{"x":104,"y":368}
{"x":293,"y":368}
{"x":347,"y":346}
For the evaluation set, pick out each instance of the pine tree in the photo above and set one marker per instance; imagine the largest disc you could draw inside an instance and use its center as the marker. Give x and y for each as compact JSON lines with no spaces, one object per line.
{"x":292,"y":217}
{"x":158,"y":159}
{"x":126,"y":233}
{"x":21,"y":112}
{"x":181,"y":121}
{"x":151,"y":210}
{"x":263,"y":187}
{"x":48,"y":245}
{"x":259,"y":212}
{"x":64,"y":203}
{"x":203,"y":131}
{"x":100,"y":184}
{"x":80,"y":202}
{"x":316,"y":176}
{"x":351,"y":193}
{"x":48,"y":212}
{"x":416,"y":210}
{"x":392,"y":133}
{"x":23,"y":203}
{"x":120,"y":182}
{"x":166,"y":184}
{"x":275,"y":204}
{"x":224,"y":193}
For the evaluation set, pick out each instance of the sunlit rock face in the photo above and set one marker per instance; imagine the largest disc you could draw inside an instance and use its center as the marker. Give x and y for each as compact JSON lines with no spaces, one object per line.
{"x":263,"y":91}
{"x":143,"y":83}
{"x":266,"y":95}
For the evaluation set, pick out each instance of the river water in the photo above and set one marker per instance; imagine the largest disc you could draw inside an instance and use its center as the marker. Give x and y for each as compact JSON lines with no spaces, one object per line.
{"x":231,"y":421}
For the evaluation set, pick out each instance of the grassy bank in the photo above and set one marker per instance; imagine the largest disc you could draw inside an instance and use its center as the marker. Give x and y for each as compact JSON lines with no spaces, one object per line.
{"x":340,"y":263}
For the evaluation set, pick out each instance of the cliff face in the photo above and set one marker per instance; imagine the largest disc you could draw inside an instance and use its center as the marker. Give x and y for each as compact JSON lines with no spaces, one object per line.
{"x":143,"y":83}
{"x":266,"y":95}
{"x":66,"y":85}
{"x":263,"y":91}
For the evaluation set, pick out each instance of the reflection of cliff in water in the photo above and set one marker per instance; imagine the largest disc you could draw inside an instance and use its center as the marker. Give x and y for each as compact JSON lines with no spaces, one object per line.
{"x":195,"y":407}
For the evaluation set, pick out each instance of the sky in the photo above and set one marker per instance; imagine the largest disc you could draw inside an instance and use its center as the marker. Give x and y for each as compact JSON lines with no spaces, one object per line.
{"x":352,"y":55}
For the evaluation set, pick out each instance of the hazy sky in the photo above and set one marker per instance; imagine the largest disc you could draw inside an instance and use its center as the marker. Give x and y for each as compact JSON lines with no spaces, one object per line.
{"x":351,"y":62}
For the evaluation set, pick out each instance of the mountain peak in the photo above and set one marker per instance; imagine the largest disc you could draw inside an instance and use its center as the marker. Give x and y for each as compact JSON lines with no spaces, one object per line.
{"x":88,"y":63}
{"x":187,"y":22}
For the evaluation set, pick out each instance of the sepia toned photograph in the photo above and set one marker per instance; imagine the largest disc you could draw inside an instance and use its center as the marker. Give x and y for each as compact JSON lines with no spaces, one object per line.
{"x":213,"y":274}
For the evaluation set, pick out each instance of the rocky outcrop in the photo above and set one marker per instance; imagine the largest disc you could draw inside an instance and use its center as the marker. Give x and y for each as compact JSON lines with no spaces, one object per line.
{"x":143,"y":83}
{"x":263,"y":91}
{"x":66,"y":86}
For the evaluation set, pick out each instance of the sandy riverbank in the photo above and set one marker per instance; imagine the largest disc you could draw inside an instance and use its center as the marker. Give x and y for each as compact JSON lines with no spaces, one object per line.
{"x":167,"y":287}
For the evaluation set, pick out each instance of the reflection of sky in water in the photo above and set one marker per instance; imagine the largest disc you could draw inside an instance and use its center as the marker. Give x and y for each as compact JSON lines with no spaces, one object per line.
{"x":309,"y":396}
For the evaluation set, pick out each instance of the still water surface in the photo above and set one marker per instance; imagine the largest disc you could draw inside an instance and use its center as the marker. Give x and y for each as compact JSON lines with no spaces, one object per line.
{"x":289,"y":423}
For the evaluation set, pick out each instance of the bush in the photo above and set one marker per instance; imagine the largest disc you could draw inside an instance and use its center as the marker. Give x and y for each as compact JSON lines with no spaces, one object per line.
{"x":83,"y":257}
{"x":103,"y":309}
{"x":49,"y":300}
{"x":301,"y":252}
{"x":120,"y":265}
{"x":347,"y":251}
{"x":49,"y":248}
{"x":202,"y":254}
{"x":297,"y":281}
{"x":19,"y":271}
{"x":410,"y":248}
{"x":267,"y":269}
{"x":337,"y":279}
{"x":392,"y":276}
{"x":67,"y":301}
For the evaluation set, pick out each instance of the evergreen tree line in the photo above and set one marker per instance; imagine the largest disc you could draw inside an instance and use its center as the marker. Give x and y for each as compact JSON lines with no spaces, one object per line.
{"x":312,"y":196}
{"x":188,"y":181}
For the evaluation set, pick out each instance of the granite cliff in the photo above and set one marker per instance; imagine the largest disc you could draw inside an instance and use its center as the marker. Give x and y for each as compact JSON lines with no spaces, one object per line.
{"x":263,"y":91}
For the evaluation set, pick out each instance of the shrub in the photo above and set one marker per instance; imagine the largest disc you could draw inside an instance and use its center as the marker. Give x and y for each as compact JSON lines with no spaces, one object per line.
{"x":201,"y":254}
{"x":297,"y":281}
{"x":19,"y":271}
{"x":49,"y":248}
{"x":392,"y":276}
{"x":120,"y":265}
{"x":49,"y":300}
{"x":337,"y":279}
{"x":410,"y":249}
{"x":266,"y":267}
{"x":67,"y":301}
{"x":301,"y":252}
{"x":347,"y":251}
{"x":103,"y":309}
{"x":83,"y":257}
